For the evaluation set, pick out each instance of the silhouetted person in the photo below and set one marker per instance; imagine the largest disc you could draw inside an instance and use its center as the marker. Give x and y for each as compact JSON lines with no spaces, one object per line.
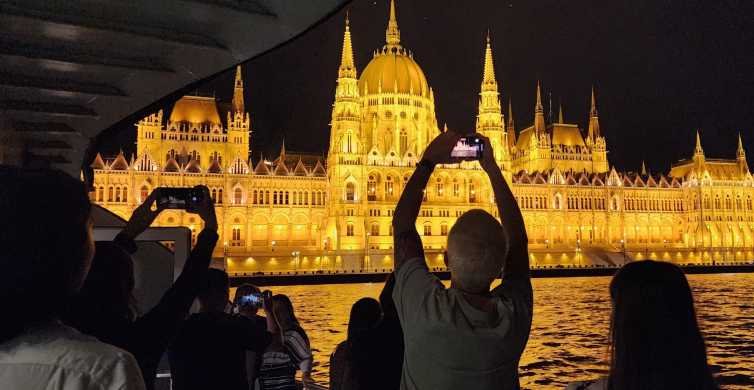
{"x":350,"y":359}
{"x":655,"y":342}
{"x":372,"y":356}
{"x":209,"y":351}
{"x":249,"y":311}
{"x":47,"y":249}
{"x":465,"y":336}
{"x":289,"y":350}
{"x":105,"y":306}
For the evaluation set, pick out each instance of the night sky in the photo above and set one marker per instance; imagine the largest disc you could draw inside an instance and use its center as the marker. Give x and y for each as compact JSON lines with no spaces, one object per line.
{"x":661,"y":70}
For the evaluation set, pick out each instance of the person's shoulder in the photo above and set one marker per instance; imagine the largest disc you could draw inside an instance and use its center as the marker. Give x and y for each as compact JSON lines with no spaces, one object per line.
{"x":598,"y":384}
{"x":66,"y":348}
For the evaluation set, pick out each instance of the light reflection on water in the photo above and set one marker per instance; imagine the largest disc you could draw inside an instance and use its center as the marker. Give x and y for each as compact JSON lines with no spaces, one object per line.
{"x":569,"y":333}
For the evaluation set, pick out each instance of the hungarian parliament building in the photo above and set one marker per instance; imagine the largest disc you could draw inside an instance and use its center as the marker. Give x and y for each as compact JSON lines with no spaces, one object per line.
{"x":333,"y":213}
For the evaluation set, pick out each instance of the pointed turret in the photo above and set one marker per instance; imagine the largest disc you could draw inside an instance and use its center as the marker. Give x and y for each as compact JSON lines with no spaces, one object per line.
{"x":511,"y":128}
{"x":489,"y":120}
{"x":282,"y":150}
{"x":698,"y":148}
{"x":741,"y":156}
{"x":560,"y":114}
{"x":539,"y":113}
{"x":238,"y":105}
{"x":643,"y":168}
{"x":347,"y":68}
{"x":594,"y":122}
{"x":392,"y":34}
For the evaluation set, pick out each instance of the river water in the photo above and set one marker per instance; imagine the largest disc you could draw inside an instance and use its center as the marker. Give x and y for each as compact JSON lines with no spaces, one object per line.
{"x":569,"y":334}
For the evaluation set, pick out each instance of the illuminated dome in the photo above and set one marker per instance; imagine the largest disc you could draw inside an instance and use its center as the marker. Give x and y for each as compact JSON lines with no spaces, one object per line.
{"x":195,"y":109}
{"x":393,"y":68}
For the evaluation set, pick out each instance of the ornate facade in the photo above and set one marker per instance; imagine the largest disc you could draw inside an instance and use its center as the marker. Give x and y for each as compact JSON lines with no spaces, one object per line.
{"x":305,"y":212}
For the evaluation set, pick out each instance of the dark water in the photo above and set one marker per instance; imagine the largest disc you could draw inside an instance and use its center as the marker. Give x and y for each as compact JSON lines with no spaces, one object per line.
{"x":569,"y":334}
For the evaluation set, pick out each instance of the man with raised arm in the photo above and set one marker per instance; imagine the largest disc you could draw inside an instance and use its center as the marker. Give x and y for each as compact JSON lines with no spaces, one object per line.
{"x":465,"y":336}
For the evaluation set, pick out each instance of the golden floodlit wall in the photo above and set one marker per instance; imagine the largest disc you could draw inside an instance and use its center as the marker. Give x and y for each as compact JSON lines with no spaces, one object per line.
{"x":306,"y":212}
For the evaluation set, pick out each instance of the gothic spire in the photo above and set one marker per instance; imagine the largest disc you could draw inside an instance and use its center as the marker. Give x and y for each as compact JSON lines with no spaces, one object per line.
{"x":741,"y":156}
{"x":392,"y":34}
{"x":560,"y":113}
{"x":488,"y":76}
{"x":238,"y":105}
{"x":593,"y":110}
{"x":539,"y":113}
{"x":511,"y":125}
{"x":643,"y":168}
{"x":594,"y":122}
{"x":698,"y":149}
{"x":347,"y":68}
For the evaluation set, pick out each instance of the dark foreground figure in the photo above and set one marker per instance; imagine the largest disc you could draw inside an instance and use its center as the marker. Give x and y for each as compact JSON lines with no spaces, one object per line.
{"x":655,"y":341}
{"x":465,"y":336}
{"x":209,"y":352}
{"x":47,"y":250}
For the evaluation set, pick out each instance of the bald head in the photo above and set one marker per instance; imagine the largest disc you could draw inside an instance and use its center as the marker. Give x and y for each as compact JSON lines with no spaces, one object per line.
{"x":477,"y":246}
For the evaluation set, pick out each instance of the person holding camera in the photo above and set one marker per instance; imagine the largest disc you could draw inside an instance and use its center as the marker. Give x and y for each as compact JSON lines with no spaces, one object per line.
{"x":210,"y":349}
{"x":465,"y":336}
{"x":105,"y":306}
{"x":246,"y":306}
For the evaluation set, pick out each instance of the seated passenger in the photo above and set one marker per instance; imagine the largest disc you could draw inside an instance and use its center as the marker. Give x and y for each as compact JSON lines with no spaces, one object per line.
{"x":465,"y":336}
{"x":655,"y":341}
{"x":47,"y":249}
{"x":289,"y":350}
{"x":209,"y":351}
{"x":349,"y":362}
{"x":105,"y":306}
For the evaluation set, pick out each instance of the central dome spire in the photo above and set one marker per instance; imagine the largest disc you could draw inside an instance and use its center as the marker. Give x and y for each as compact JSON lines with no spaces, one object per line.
{"x":392,"y":34}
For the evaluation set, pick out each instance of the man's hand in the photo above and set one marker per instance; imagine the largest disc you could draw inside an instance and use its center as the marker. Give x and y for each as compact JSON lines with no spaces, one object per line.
{"x":143,"y":216}
{"x":488,"y":155}
{"x":438,"y":151}
{"x":206,"y":209}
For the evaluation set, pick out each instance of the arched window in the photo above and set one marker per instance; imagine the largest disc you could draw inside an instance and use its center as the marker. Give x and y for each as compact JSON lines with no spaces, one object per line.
{"x":403,"y":142}
{"x":117,"y":194}
{"x":349,"y":229}
{"x":439,"y":187}
{"x":444,"y":229}
{"x":374,"y":230}
{"x":237,"y":196}
{"x":101,"y":194}
{"x":728,"y":203}
{"x":350,"y":192}
{"x":472,"y":192}
{"x":717,"y":202}
{"x":456,"y":188}
{"x":389,"y":186}
{"x":372,"y":188}
{"x":220,"y":196}
{"x":143,"y":194}
{"x":213,"y":193}
{"x":427,"y":229}
{"x":110,"y":194}
{"x":236,"y":235}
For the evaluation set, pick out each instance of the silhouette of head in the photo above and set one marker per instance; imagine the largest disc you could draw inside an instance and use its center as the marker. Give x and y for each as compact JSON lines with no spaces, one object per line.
{"x":282,"y":309}
{"x":242,"y":290}
{"x":108,"y":287}
{"x":477,"y":246}
{"x":46,"y":245}
{"x":213,"y":294}
{"x":655,"y":338}
{"x":365,"y":315}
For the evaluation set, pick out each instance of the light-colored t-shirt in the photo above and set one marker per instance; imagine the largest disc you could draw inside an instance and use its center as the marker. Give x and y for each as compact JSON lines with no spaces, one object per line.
{"x":450,"y":344}
{"x":58,"y":357}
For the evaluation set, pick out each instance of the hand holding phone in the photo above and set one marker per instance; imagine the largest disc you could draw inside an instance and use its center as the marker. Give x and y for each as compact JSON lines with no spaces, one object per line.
{"x":468,"y":148}
{"x":179,"y":198}
{"x":254,"y":299}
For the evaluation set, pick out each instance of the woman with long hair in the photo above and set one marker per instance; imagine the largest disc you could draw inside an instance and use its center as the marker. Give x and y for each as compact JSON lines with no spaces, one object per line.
{"x":46,"y":250}
{"x":105,"y":307}
{"x":289,"y":351}
{"x":655,"y":342}
{"x":348,"y":362}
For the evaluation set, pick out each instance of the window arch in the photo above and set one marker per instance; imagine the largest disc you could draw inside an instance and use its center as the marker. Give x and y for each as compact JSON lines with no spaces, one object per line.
{"x":237,"y":196}
{"x":220,"y":196}
{"x":472,"y":192}
{"x":372,"y":188}
{"x":350,"y":194}
{"x":374,"y":229}
{"x":439,"y":187}
{"x":389,"y":186}
{"x":403,"y":137}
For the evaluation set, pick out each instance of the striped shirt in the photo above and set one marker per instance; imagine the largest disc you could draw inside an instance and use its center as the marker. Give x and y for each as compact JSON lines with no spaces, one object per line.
{"x":280,"y":363}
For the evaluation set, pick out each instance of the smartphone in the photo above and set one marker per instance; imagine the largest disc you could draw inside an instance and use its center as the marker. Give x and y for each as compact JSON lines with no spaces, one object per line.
{"x":468,"y":148}
{"x":254,"y":299}
{"x":179,"y":198}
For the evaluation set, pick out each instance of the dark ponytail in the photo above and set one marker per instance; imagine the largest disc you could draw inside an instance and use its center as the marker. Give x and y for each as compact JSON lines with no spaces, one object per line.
{"x":43,"y":245}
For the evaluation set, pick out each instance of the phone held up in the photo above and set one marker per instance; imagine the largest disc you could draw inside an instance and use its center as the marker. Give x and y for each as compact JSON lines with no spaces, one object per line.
{"x":254,"y":299}
{"x":468,"y":148}
{"x":179,"y":198}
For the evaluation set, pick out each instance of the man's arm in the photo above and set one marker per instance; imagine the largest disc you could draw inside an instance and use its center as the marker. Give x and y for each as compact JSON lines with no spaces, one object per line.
{"x":517,"y":262}
{"x":407,"y":243}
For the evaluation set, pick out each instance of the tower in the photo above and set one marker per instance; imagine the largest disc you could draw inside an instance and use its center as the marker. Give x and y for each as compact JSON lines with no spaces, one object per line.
{"x":594,"y":123}
{"x":511,"y":127}
{"x":741,"y":157}
{"x":239,"y":123}
{"x":595,"y":140}
{"x":539,"y":114}
{"x":344,"y":127}
{"x":489,"y":120}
